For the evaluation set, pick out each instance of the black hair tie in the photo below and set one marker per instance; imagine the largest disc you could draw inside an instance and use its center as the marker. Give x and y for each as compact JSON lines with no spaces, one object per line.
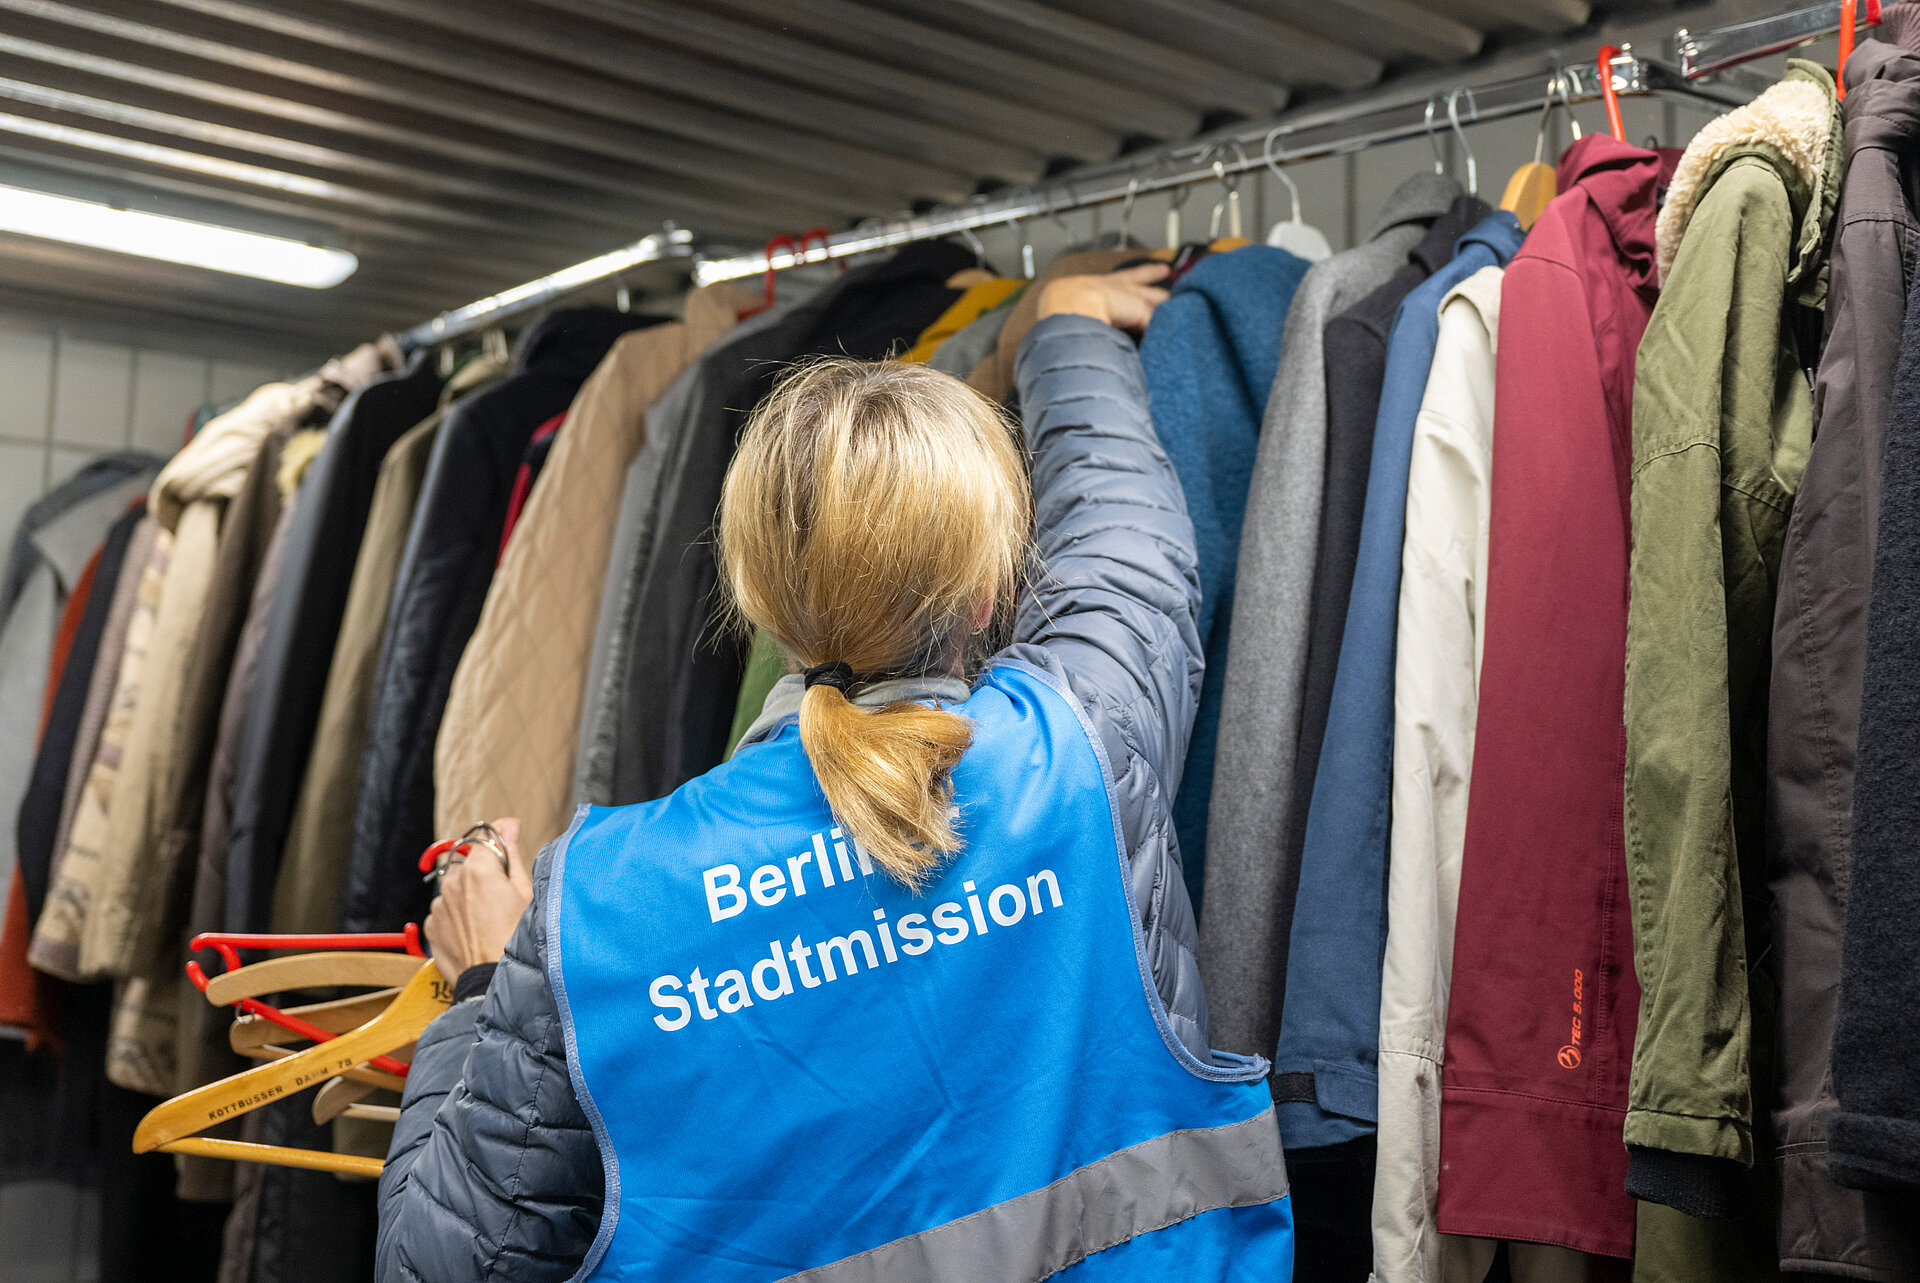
{"x":832,"y":673}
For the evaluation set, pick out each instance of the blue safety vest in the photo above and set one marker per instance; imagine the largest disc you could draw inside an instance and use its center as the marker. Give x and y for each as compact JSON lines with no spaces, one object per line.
{"x":796,"y":1069}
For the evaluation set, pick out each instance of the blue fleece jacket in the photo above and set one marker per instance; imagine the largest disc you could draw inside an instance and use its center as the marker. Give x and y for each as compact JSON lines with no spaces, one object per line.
{"x":1210,"y":356}
{"x":1326,"y":1078}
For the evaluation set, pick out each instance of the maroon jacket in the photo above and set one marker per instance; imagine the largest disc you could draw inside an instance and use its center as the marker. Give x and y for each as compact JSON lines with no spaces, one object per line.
{"x":1544,"y":1002}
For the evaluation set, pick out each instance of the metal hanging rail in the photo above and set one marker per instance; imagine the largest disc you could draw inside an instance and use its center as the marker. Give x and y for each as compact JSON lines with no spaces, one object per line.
{"x":1308,"y":137}
{"x":1226,"y":153}
{"x":674,"y":242}
{"x":1706,"y":52}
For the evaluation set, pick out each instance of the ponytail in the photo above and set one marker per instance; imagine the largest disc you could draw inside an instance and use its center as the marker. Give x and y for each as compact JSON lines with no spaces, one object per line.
{"x":874,"y":517}
{"x":885,"y":774}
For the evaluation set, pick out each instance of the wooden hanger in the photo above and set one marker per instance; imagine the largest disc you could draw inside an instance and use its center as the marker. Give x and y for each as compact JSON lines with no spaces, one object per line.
{"x":1535,"y":184}
{"x":343,"y":1097}
{"x":174,"y":1125}
{"x":337,"y":1097}
{"x":238,"y":985}
{"x":311,"y":971}
{"x":249,"y":1032}
{"x":365,"y":1074}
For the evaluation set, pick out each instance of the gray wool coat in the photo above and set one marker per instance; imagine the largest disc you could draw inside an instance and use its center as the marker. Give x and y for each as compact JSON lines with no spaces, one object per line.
{"x":1249,"y":887}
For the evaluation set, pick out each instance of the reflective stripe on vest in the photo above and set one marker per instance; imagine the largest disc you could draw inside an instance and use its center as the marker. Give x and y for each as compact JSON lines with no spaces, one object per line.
{"x":795,"y":1069}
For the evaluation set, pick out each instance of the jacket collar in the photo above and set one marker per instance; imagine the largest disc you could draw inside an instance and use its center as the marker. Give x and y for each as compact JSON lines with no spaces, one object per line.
{"x":783,"y":701}
{"x":1882,"y":109}
{"x":1419,"y":199}
{"x":1792,"y":126}
{"x":68,"y":542}
{"x":1435,"y":249}
{"x":1499,"y":232}
{"x":1621,"y":183}
{"x":572,"y":340}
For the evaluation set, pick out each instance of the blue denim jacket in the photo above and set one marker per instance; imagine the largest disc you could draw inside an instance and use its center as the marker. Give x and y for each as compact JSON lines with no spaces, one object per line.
{"x":1325,"y":1064}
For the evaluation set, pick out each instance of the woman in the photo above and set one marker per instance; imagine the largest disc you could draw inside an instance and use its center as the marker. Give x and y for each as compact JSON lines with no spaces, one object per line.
{"x":906,"y":989}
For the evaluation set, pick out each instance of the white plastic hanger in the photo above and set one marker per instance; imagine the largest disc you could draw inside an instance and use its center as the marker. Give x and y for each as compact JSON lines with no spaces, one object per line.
{"x":1293,"y":235}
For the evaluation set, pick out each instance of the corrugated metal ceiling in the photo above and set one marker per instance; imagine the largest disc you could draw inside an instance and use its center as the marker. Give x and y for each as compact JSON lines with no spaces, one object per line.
{"x":461,"y":146}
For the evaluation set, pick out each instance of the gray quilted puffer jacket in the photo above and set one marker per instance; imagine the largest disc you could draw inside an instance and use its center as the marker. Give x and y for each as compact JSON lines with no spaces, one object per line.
{"x":494,"y":1173}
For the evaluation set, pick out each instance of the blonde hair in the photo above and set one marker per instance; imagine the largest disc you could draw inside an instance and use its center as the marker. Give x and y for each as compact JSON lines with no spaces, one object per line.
{"x":871,"y":513}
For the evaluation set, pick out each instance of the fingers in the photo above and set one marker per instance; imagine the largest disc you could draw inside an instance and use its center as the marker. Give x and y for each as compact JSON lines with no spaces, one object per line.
{"x":1142,"y":273}
{"x":509,"y":830}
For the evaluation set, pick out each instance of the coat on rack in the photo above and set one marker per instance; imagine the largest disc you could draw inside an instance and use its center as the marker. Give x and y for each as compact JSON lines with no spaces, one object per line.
{"x":313,"y":864}
{"x":1354,"y":352}
{"x":1722,"y":420}
{"x":1534,"y":1090}
{"x":57,"y":537}
{"x":1249,"y":888}
{"x":1819,"y":649}
{"x":41,"y":806}
{"x":1210,"y":354}
{"x":201,"y":1050}
{"x":451,"y":553}
{"x":1325,"y":1067}
{"x":507,"y":742}
{"x":303,"y":623}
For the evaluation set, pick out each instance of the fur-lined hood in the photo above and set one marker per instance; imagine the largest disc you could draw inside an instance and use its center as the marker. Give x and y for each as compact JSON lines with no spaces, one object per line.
{"x":1797,"y":120}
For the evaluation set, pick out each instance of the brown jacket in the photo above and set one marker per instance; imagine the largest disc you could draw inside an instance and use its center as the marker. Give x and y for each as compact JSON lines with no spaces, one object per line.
{"x":1819,"y":645}
{"x":513,"y":717}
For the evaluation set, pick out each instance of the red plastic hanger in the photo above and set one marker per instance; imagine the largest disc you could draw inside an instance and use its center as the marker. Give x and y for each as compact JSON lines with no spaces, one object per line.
{"x":774,"y":246}
{"x":228,"y":944}
{"x":1604,"y":63}
{"x":1869,"y":16}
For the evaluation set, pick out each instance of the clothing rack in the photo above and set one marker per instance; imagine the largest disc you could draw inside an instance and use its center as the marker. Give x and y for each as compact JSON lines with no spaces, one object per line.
{"x":1218,"y":157}
{"x":1706,"y":52}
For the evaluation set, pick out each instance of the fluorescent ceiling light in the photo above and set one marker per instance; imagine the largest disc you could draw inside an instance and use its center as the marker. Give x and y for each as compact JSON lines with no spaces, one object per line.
{"x":176,"y":240}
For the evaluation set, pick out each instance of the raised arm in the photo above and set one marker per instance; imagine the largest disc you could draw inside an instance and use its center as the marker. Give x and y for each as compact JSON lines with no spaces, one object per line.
{"x":1115,"y":598}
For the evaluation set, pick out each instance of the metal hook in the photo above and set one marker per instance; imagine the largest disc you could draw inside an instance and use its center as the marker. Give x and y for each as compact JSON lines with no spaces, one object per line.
{"x":1176,"y":197}
{"x":1433,"y":140}
{"x":1453,"y":118}
{"x":1053,"y":212}
{"x":1026,"y":245}
{"x":1279,"y":172}
{"x":622,"y":300}
{"x":1230,"y":200}
{"x":1558,"y":84}
{"x":975,"y":244}
{"x":1126,"y":207}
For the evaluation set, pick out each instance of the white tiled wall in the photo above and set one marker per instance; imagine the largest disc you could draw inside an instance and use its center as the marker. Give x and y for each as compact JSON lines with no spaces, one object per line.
{"x":66,"y":398}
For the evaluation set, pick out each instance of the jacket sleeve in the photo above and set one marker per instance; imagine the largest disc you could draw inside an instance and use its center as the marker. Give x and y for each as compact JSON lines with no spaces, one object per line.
{"x":1112,"y":612}
{"x":1116,"y":594}
{"x":494,"y":1173}
{"x":1721,"y":420}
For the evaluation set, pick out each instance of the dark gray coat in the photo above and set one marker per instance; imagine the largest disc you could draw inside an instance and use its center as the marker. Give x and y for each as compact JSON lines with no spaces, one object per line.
{"x":494,"y":1172}
{"x":1819,"y":645}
